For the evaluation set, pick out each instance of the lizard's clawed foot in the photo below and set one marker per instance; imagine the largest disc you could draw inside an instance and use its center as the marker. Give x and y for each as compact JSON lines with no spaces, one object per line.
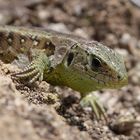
{"x":32,"y":72}
{"x":35,"y":70}
{"x":98,"y":109}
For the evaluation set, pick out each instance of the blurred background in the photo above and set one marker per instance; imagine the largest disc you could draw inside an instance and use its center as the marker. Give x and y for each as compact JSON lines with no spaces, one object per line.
{"x":25,"y":113}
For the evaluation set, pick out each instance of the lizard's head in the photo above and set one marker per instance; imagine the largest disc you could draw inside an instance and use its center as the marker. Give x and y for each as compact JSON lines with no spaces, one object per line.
{"x":95,"y":66}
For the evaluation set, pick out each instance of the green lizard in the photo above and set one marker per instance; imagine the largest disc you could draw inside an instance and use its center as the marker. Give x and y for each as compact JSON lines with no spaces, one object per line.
{"x":65,"y":60}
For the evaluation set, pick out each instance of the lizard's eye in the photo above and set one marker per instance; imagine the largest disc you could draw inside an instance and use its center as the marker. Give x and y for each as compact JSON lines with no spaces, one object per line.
{"x":70,"y":58}
{"x":95,"y":63}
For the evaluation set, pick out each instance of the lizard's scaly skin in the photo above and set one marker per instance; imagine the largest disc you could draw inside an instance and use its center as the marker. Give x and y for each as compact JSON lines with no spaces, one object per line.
{"x":62,"y":59}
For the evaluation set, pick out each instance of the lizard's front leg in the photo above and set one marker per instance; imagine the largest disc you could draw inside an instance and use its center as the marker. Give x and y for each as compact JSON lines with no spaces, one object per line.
{"x":92,"y":100}
{"x":35,"y":70}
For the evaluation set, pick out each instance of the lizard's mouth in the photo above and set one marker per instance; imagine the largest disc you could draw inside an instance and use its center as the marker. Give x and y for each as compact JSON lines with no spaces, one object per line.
{"x":107,"y":81}
{"x":118,"y":84}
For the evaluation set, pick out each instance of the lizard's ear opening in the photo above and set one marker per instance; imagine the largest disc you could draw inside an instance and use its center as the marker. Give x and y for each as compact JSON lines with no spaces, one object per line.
{"x":70,"y":55}
{"x":70,"y":58}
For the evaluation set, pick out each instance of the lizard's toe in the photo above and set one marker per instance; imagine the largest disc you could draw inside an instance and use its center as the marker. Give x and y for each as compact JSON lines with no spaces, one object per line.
{"x":98,"y":109}
{"x":35,"y":70}
{"x":37,"y":76}
{"x":31,"y":73}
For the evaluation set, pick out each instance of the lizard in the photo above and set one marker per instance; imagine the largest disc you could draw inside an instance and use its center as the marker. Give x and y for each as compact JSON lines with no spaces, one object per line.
{"x":64,"y":60}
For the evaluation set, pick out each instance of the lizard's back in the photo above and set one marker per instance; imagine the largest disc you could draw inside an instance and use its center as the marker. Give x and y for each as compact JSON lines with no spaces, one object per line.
{"x":20,"y":40}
